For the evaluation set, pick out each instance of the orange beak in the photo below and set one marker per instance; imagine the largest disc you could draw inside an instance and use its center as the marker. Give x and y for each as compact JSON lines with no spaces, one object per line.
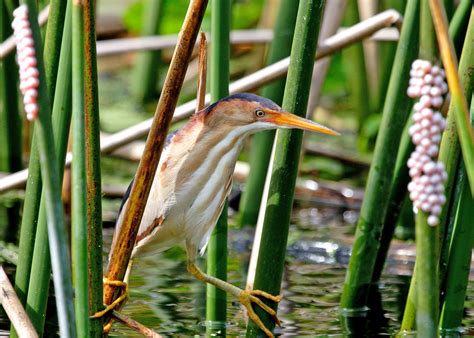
{"x":288,"y":120}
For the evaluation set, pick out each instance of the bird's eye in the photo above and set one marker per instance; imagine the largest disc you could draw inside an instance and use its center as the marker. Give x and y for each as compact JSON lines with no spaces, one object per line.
{"x":259,"y":113}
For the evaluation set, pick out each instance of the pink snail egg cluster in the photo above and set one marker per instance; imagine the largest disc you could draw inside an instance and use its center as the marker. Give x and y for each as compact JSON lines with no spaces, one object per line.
{"x":427,"y":82}
{"x":29,"y":75}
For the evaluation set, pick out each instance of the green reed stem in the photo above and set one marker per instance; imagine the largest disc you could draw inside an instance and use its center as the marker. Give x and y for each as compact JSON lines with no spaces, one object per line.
{"x":427,"y":237}
{"x":449,"y":149}
{"x":52,"y":192}
{"x":356,"y":73}
{"x":10,"y":127}
{"x":460,"y":251}
{"x":459,"y":23}
{"x":428,"y":46}
{"x":409,"y":314}
{"x":387,"y":50}
{"x":94,"y":194}
{"x":41,"y":263}
{"x":216,"y":303}
{"x":398,"y":192}
{"x":427,"y":287}
{"x":216,"y":299}
{"x":448,"y":56}
{"x":38,"y":288}
{"x":78,"y":171}
{"x":395,"y":114}
{"x":448,"y":154}
{"x":11,"y":5}
{"x":262,"y":143}
{"x":401,"y":177}
{"x":34,"y":185}
{"x":52,"y":42}
{"x":120,"y":253}
{"x":450,"y":6}
{"x":147,"y":65}
{"x":271,"y":257}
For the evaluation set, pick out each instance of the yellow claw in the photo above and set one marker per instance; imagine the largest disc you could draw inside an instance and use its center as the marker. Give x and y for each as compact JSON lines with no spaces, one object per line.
{"x":116,"y":303}
{"x":246,"y":298}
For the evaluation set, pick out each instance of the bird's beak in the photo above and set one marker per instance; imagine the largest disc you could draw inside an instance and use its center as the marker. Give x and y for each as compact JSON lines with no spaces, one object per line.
{"x":288,"y":120}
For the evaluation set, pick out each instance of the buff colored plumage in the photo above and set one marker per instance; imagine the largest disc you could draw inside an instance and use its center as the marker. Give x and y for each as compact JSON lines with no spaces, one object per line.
{"x":194,"y":178}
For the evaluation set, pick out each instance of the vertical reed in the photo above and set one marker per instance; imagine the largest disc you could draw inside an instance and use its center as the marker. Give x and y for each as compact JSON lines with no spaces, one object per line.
{"x":395,"y":114}
{"x":34,"y":186}
{"x":428,"y":289}
{"x":147,"y":65}
{"x":401,"y":178}
{"x":458,"y":250}
{"x":448,"y":56}
{"x":448,"y":154}
{"x":459,"y":262}
{"x":216,"y":299}
{"x":50,"y":176}
{"x":39,"y":284}
{"x":78,"y":170}
{"x":427,"y":237}
{"x":261,"y":146}
{"x":427,"y":282}
{"x":52,"y":43}
{"x":449,"y":149}
{"x":459,"y":23}
{"x":10,"y":127}
{"x":216,"y":303}
{"x":356,"y":73}
{"x":94,"y":195}
{"x":398,"y":192}
{"x":41,"y":262}
{"x":387,"y":50}
{"x":10,"y":5}
{"x":120,"y":254}
{"x":285,"y":162}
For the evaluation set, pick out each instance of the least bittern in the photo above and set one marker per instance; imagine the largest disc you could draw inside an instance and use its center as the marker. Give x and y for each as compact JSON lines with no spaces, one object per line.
{"x":194,"y":178}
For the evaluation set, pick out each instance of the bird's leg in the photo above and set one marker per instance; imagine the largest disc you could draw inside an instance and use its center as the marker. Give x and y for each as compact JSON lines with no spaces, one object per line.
{"x":246,"y":298}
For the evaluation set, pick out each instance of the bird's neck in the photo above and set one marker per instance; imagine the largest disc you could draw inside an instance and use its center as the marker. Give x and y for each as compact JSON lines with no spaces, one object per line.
{"x":197,"y":150}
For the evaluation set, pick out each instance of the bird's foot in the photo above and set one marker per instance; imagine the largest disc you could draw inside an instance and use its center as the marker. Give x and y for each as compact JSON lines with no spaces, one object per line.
{"x":246,"y":298}
{"x":116,"y":303}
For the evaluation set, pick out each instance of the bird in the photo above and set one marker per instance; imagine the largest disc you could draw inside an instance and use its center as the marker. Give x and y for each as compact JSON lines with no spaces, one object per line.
{"x":194,"y":178}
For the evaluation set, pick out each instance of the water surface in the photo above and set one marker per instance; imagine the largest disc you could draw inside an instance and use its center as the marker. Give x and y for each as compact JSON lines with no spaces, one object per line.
{"x":166,"y":298}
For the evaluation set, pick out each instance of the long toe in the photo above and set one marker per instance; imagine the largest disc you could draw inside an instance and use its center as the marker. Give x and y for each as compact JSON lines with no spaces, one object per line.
{"x":246,"y":298}
{"x":116,"y":304}
{"x":267,"y":295}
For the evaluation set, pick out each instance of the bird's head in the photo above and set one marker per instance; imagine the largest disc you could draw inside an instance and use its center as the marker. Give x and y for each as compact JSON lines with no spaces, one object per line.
{"x":256,"y":113}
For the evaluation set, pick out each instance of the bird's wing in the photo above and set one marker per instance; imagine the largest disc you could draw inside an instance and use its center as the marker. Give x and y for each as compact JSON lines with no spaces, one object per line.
{"x":125,"y":199}
{"x":205,"y":239}
{"x":118,"y":223}
{"x":228,"y":189}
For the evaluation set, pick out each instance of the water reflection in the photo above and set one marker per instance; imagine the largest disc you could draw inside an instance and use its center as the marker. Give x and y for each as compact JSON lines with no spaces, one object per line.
{"x":166,"y":298}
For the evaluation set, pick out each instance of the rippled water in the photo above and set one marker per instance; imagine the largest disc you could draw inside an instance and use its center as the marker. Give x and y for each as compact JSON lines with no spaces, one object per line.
{"x":166,"y":298}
